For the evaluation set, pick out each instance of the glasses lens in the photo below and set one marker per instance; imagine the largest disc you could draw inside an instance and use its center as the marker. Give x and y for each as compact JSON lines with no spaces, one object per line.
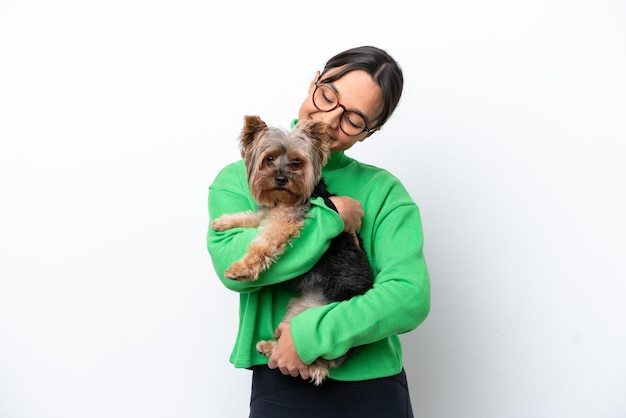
{"x":324,"y":98}
{"x":352,"y":123}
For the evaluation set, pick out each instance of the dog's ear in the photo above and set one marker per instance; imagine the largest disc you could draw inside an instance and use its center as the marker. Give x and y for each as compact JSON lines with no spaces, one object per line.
{"x":316,"y":130}
{"x":252,"y":125}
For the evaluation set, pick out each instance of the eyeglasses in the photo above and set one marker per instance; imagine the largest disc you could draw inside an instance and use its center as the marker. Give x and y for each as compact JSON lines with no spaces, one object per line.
{"x":352,"y":123}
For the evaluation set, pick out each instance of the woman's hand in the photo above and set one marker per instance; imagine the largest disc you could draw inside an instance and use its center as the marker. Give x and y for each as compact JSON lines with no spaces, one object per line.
{"x":285,"y":356}
{"x":350,"y":211}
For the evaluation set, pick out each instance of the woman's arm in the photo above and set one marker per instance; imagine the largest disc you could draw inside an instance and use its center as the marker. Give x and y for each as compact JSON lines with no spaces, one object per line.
{"x":399,"y":300}
{"x":229,"y":193}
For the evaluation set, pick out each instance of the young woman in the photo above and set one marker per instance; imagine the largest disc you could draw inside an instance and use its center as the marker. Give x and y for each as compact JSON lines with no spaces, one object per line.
{"x":355,"y":94}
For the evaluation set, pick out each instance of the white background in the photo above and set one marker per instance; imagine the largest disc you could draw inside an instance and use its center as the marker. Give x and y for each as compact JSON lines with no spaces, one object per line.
{"x":116,"y":115}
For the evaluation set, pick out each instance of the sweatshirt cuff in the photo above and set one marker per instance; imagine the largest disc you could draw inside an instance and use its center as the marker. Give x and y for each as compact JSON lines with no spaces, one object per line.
{"x":308,"y":340}
{"x":330,"y":204}
{"x":303,"y":336}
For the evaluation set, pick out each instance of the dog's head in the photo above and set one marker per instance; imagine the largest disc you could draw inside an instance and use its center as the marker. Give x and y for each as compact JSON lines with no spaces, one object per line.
{"x":283,"y":166}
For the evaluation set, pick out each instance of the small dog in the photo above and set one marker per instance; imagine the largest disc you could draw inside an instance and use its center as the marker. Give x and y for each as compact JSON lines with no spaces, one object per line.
{"x":284,"y":173}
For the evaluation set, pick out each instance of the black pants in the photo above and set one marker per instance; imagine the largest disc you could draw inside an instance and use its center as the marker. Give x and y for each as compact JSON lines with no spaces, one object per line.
{"x":275,"y":395}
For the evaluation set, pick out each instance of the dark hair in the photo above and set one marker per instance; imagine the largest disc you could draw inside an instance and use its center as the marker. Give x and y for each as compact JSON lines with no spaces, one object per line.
{"x":377,"y":63}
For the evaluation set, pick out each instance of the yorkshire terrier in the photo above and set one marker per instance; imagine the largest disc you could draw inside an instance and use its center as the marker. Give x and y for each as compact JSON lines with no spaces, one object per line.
{"x":284,"y":172}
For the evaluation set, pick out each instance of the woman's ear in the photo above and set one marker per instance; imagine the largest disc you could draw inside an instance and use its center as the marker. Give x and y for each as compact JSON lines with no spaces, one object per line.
{"x":370,"y":133}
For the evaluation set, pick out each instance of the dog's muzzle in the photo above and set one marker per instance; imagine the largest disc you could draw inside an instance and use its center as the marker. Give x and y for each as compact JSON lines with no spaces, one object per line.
{"x":280,"y":180}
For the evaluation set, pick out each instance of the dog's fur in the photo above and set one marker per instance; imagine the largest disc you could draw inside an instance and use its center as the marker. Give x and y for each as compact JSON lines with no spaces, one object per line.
{"x":284,"y":173}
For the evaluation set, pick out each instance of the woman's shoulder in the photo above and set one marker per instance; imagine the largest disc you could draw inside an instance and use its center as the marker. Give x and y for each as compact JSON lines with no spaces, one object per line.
{"x":375,"y":173}
{"x":362,"y":180}
{"x":230,"y":173}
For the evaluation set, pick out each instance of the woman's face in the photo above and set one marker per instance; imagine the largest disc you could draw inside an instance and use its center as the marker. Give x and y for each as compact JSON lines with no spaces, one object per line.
{"x":357,"y":91}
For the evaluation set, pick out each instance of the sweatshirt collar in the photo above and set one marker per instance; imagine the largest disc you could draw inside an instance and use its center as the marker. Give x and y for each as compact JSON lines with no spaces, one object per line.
{"x":337,"y":160}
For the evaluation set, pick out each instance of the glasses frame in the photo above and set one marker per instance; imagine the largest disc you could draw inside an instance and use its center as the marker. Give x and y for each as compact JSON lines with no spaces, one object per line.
{"x":318,"y":84}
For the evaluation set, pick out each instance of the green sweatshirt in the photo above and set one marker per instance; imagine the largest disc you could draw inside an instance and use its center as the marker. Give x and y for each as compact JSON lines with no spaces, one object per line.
{"x":392,"y":237}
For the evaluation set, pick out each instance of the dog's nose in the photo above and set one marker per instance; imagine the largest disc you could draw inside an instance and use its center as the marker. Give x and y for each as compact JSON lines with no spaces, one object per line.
{"x":280,"y":180}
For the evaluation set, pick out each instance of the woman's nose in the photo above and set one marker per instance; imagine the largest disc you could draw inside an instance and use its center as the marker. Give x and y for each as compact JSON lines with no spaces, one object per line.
{"x":333,"y":117}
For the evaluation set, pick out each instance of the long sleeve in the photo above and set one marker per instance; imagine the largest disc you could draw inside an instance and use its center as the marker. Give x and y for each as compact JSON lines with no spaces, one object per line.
{"x":400,"y":299}
{"x":229,"y":193}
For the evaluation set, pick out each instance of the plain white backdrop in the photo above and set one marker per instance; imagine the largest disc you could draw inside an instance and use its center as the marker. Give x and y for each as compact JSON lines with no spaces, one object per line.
{"x":115,"y":117}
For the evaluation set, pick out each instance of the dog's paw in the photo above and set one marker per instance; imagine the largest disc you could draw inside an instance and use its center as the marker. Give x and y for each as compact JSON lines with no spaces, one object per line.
{"x":266,"y":347}
{"x":241,"y":271}
{"x":221,"y":224}
{"x":318,"y":373}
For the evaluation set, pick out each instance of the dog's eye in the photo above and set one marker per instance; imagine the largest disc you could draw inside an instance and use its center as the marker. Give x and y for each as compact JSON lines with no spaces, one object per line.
{"x":269,"y":160}
{"x":295,"y":163}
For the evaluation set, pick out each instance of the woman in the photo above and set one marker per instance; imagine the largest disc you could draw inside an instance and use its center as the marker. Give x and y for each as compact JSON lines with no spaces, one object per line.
{"x":355,"y":94}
